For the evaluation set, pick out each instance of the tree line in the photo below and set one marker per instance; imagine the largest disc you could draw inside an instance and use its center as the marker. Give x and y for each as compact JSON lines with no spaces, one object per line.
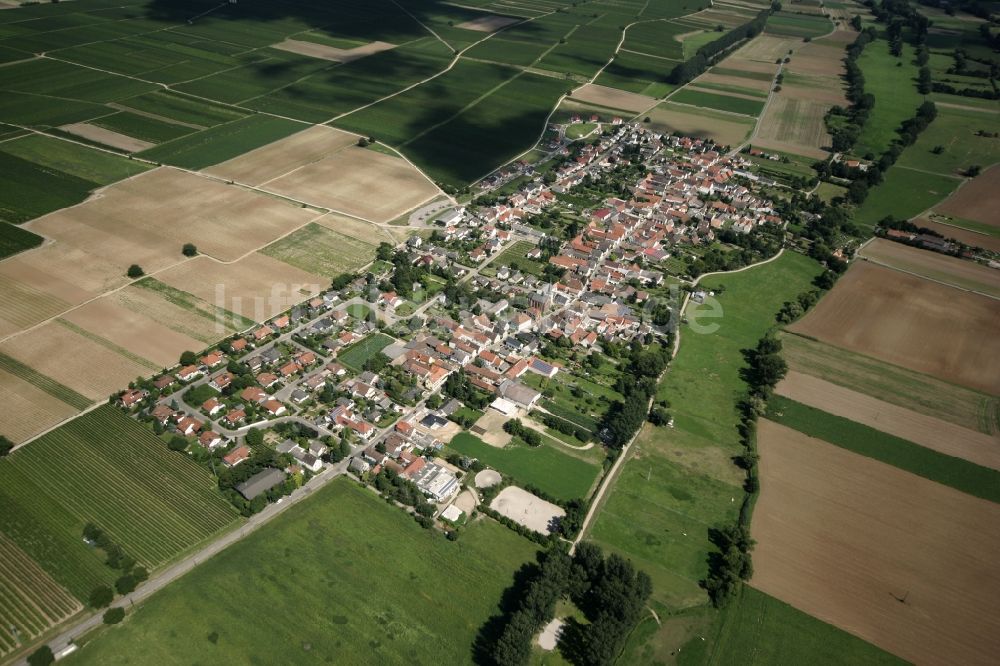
{"x":706,"y":55}
{"x":637,"y":384}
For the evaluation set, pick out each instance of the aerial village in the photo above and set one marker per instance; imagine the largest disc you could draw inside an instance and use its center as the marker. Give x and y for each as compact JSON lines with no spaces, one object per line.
{"x":471,"y":328}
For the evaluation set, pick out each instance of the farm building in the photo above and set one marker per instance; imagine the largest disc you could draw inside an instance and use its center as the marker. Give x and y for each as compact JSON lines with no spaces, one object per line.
{"x":260,"y":483}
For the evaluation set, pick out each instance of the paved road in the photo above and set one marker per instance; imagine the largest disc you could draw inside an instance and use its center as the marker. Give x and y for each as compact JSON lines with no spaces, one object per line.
{"x":163,"y":578}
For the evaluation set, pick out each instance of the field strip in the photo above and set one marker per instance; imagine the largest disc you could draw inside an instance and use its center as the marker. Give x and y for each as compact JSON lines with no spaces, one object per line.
{"x":650,"y":55}
{"x":121,"y":351}
{"x":930,"y":279}
{"x":927,"y":431}
{"x":153,"y":116}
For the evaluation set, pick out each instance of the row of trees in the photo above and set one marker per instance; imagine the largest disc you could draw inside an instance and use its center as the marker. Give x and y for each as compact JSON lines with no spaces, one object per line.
{"x":844,"y":125}
{"x":706,"y":55}
{"x":637,"y":384}
{"x":609,"y":591}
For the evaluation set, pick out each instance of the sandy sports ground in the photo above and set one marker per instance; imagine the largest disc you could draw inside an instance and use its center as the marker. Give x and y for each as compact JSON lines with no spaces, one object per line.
{"x":257,"y":286}
{"x":526,"y":509}
{"x":489,"y":23}
{"x":146,"y":220}
{"x":935,"y":266}
{"x":616,"y":99}
{"x":912,"y":322}
{"x":933,"y":433}
{"x":727,"y":130}
{"x":325,"y":52}
{"x":131,"y":330}
{"x":977,"y":200}
{"x":323,"y":166}
{"x":107,"y":137}
{"x":28,"y":410}
{"x":81,"y":362}
{"x":845,"y":538}
{"x":488,"y":478}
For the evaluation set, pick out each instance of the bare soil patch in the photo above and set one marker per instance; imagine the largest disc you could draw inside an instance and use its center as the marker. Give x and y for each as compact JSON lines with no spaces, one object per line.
{"x":935,"y":266}
{"x":74,"y":360}
{"x":257,"y":286}
{"x":493,"y":433}
{"x":488,"y":23}
{"x":912,"y":322}
{"x":28,"y":410}
{"x":616,"y":99}
{"x":526,"y":509}
{"x":139,"y":334}
{"x":977,"y":200}
{"x":933,"y":433}
{"x":324,"y":52}
{"x":107,"y":137}
{"x":902,"y":562}
{"x":549,"y":637}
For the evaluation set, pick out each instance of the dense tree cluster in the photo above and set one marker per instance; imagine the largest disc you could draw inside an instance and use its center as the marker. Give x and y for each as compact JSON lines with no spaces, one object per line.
{"x":760,"y":243}
{"x":845,"y":125}
{"x":529,"y":436}
{"x":706,"y":55}
{"x":263,"y":458}
{"x":637,"y":384}
{"x":458,"y":386}
{"x":392,"y":485}
{"x":563,"y":426}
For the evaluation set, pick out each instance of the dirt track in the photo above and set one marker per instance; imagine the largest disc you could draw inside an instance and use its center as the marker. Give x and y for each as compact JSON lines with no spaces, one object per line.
{"x":846,"y":538}
{"x":948,"y":438}
{"x":912,"y":322}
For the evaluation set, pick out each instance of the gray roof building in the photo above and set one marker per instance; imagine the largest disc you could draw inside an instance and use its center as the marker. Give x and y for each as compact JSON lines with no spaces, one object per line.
{"x":260,"y":483}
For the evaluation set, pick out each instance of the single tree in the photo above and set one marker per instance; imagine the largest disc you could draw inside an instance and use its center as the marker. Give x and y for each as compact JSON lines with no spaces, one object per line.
{"x":189,"y":250}
{"x":5,"y":446}
{"x":135,"y":271}
{"x":41,"y":657}
{"x":114,"y":615}
{"x":101,"y":596}
{"x":188,"y":358}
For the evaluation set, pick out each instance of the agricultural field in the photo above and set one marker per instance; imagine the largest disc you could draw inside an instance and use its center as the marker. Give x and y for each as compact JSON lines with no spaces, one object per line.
{"x":904,"y":193}
{"x":954,"y":131}
{"x":912,"y":322}
{"x":680,"y":481}
{"x":547,"y":467}
{"x":31,"y":406}
{"x":727,"y":129}
{"x":934,"y":266}
{"x":719,"y":101}
{"x":922,"y":559}
{"x":13,"y":240}
{"x":896,"y":96}
{"x":108,"y":469}
{"x":637,"y":73}
{"x":358,"y":354}
{"x":367,"y":564}
{"x":798,"y":25}
{"x":321,"y":251}
{"x":31,"y":602}
{"x":615,"y":99}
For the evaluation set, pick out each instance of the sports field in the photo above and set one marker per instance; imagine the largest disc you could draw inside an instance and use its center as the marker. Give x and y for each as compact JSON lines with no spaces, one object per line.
{"x":900,"y":561}
{"x":107,"y":469}
{"x":546,"y":467}
{"x":912,"y":322}
{"x":351,"y":577}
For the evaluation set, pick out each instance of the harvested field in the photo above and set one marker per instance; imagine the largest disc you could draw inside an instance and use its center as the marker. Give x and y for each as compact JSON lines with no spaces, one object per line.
{"x":46,"y":270}
{"x":179,"y":311}
{"x":139,"y":334}
{"x":489,"y":23}
{"x":934,"y":266}
{"x":919,"y":428}
{"x":74,"y":360}
{"x":526,"y":509}
{"x":727,"y":129}
{"x":28,"y":410}
{"x":911,"y":322}
{"x":794,"y":125}
{"x":366,"y":232}
{"x":281,"y":157}
{"x":616,"y":99}
{"x":146,"y":220}
{"x":257,"y":286}
{"x":739,"y":82}
{"x":765,"y":48}
{"x":903,"y":562}
{"x":324,"y":52}
{"x":322,"y":166}
{"x":977,"y":200}
{"x":107,"y":137}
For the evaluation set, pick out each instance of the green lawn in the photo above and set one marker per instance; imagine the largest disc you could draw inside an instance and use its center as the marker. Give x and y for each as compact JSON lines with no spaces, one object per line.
{"x":358,"y":354}
{"x":758,"y":629}
{"x":947,"y":470}
{"x":904,"y":193}
{"x":681,"y":481}
{"x":223,"y":142}
{"x":514,"y":256}
{"x":896,"y":97}
{"x":340,"y":578}
{"x":954,"y":130}
{"x":106,"y":468}
{"x":546,"y":467}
